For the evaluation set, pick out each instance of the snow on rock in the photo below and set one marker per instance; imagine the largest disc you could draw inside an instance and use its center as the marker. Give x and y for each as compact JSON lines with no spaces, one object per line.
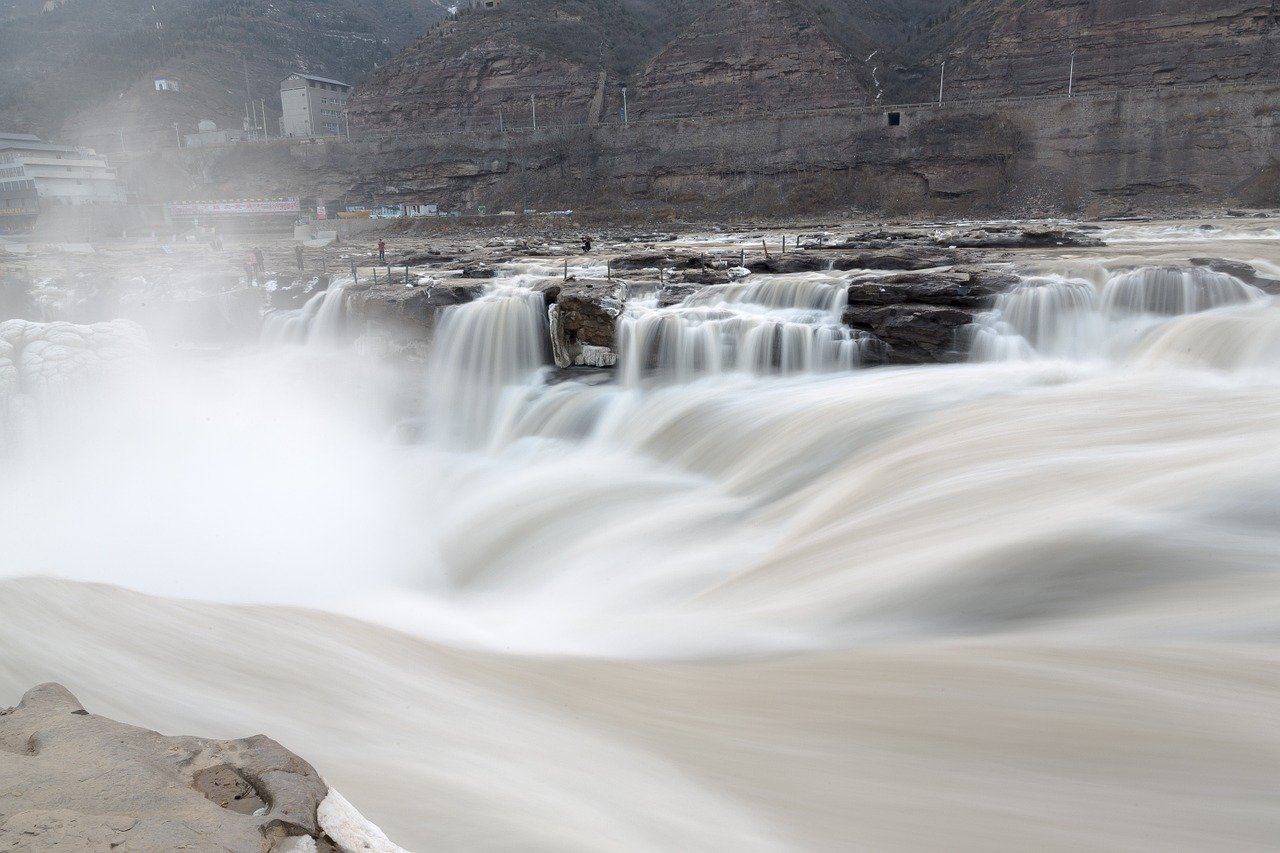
{"x":350,"y":830}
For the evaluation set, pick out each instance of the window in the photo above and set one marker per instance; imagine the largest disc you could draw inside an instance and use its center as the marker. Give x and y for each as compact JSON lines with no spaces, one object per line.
{"x":895,"y":119}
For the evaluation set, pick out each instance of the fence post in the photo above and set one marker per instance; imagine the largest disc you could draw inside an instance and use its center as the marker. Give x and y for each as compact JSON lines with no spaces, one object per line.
{"x":353,"y":271}
{"x":406,"y":274}
{"x":375,"y":275}
{"x":566,"y":269}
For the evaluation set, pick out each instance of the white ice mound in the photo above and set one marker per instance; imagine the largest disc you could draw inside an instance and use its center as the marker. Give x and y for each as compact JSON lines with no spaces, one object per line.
{"x":350,"y":830}
{"x":39,"y":358}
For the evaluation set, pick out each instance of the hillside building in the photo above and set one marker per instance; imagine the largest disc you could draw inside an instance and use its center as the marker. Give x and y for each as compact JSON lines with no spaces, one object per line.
{"x":312,"y":106}
{"x":208,"y":134}
{"x":36,"y":175}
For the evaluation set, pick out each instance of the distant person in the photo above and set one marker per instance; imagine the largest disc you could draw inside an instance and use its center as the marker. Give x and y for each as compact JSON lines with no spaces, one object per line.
{"x":251,"y":270}
{"x":297,"y":253}
{"x":259,"y":261}
{"x":382,"y":250}
{"x":586,"y":244}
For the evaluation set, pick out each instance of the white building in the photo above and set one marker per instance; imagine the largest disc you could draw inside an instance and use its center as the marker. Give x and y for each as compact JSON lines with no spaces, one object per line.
{"x":208,"y":134}
{"x":312,"y":106}
{"x":59,"y":174}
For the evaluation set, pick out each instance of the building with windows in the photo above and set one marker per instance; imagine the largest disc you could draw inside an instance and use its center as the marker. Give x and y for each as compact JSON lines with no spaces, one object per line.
{"x":312,"y":106}
{"x":36,"y":175}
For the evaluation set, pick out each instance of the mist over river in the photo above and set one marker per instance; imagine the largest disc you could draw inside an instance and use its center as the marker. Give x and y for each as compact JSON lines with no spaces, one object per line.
{"x":749,"y":595}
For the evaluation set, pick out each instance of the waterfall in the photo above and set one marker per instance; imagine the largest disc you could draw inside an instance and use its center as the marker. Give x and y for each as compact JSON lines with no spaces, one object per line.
{"x":483,"y":353}
{"x":1073,"y":318}
{"x":320,"y":322}
{"x":1168,"y":292}
{"x":772,"y":324}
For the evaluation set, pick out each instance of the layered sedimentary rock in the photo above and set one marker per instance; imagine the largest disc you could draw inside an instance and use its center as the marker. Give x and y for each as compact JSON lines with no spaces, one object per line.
{"x":583,"y":321}
{"x":495,"y":83}
{"x":920,"y":317}
{"x":488,"y":69}
{"x":751,"y":56}
{"x":1024,"y":47}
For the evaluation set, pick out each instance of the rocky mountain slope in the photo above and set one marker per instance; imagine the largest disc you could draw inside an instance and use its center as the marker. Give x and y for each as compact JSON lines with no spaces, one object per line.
{"x":90,"y":64}
{"x":675,"y":57}
{"x":1024,"y":47}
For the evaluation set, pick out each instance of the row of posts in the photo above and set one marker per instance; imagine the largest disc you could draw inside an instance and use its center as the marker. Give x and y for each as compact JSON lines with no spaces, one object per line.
{"x":324,"y":265}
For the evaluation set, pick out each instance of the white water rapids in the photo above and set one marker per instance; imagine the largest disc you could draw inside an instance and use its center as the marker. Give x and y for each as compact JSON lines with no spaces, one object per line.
{"x":730,"y":603}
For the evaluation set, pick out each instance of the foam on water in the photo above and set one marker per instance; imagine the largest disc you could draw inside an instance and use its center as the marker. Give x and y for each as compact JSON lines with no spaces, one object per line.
{"x":1101,"y":317}
{"x":734,"y":602}
{"x":765,"y":325}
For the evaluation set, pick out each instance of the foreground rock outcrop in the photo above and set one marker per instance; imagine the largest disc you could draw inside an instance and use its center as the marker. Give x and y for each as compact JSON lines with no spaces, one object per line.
{"x":77,"y":781}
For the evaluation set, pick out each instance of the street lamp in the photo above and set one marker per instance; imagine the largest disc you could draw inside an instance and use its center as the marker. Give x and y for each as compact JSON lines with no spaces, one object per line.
{"x":942,"y":79}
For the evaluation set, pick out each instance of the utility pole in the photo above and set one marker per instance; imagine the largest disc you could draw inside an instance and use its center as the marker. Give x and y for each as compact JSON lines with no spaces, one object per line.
{"x":534,"y":104}
{"x":346,"y":117}
{"x":177,"y":137}
{"x":262,"y":111}
{"x":1071,"y":75}
{"x":941,"y":80}
{"x":624,"y":106}
{"x":499,"y":119}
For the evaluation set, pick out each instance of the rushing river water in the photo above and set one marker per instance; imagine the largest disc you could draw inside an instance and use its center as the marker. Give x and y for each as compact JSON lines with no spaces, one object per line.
{"x":745,"y":598}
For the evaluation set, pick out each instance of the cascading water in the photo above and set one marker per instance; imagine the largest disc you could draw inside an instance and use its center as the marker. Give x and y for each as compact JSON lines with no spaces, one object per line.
{"x":1022,"y":605}
{"x":321,"y":321}
{"x":484,"y":354}
{"x":1075,"y":318}
{"x":767,"y":325}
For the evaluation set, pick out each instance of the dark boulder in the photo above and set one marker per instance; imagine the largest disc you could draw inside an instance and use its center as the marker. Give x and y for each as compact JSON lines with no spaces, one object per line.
{"x":957,"y":288}
{"x":1240,"y":270}
{"x":913,"y":334}
{"x":898,"y":258}
{"x":584,"y":319}
{"x":1017,"y":238}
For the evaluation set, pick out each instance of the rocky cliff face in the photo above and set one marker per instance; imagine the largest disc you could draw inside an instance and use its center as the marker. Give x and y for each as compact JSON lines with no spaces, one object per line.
{"x":490,"y":84}
{"x":1002,"y":47}
{"x":676,"y":57}
{"x":752,"y":56}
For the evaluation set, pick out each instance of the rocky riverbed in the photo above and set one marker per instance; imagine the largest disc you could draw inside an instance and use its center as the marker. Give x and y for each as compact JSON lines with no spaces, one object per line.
{"x":913,"y":291}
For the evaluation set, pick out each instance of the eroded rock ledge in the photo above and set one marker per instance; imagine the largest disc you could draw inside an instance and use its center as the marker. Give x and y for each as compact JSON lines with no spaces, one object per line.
{"x":77,"y":781}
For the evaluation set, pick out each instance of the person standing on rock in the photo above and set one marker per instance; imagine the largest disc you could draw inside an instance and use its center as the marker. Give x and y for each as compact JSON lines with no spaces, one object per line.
{"x":586,"y":245}
{"x":382,"y":250}
{"x":297,"y":253}
{"x":259,"y":261}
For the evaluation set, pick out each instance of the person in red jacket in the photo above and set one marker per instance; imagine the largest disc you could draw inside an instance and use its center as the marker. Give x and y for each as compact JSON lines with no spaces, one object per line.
{"x":382,"y":250}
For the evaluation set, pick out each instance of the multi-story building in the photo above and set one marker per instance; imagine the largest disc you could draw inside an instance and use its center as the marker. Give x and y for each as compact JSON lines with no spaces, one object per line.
{"x":312,"y":106}
{"x":36,"y":174}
